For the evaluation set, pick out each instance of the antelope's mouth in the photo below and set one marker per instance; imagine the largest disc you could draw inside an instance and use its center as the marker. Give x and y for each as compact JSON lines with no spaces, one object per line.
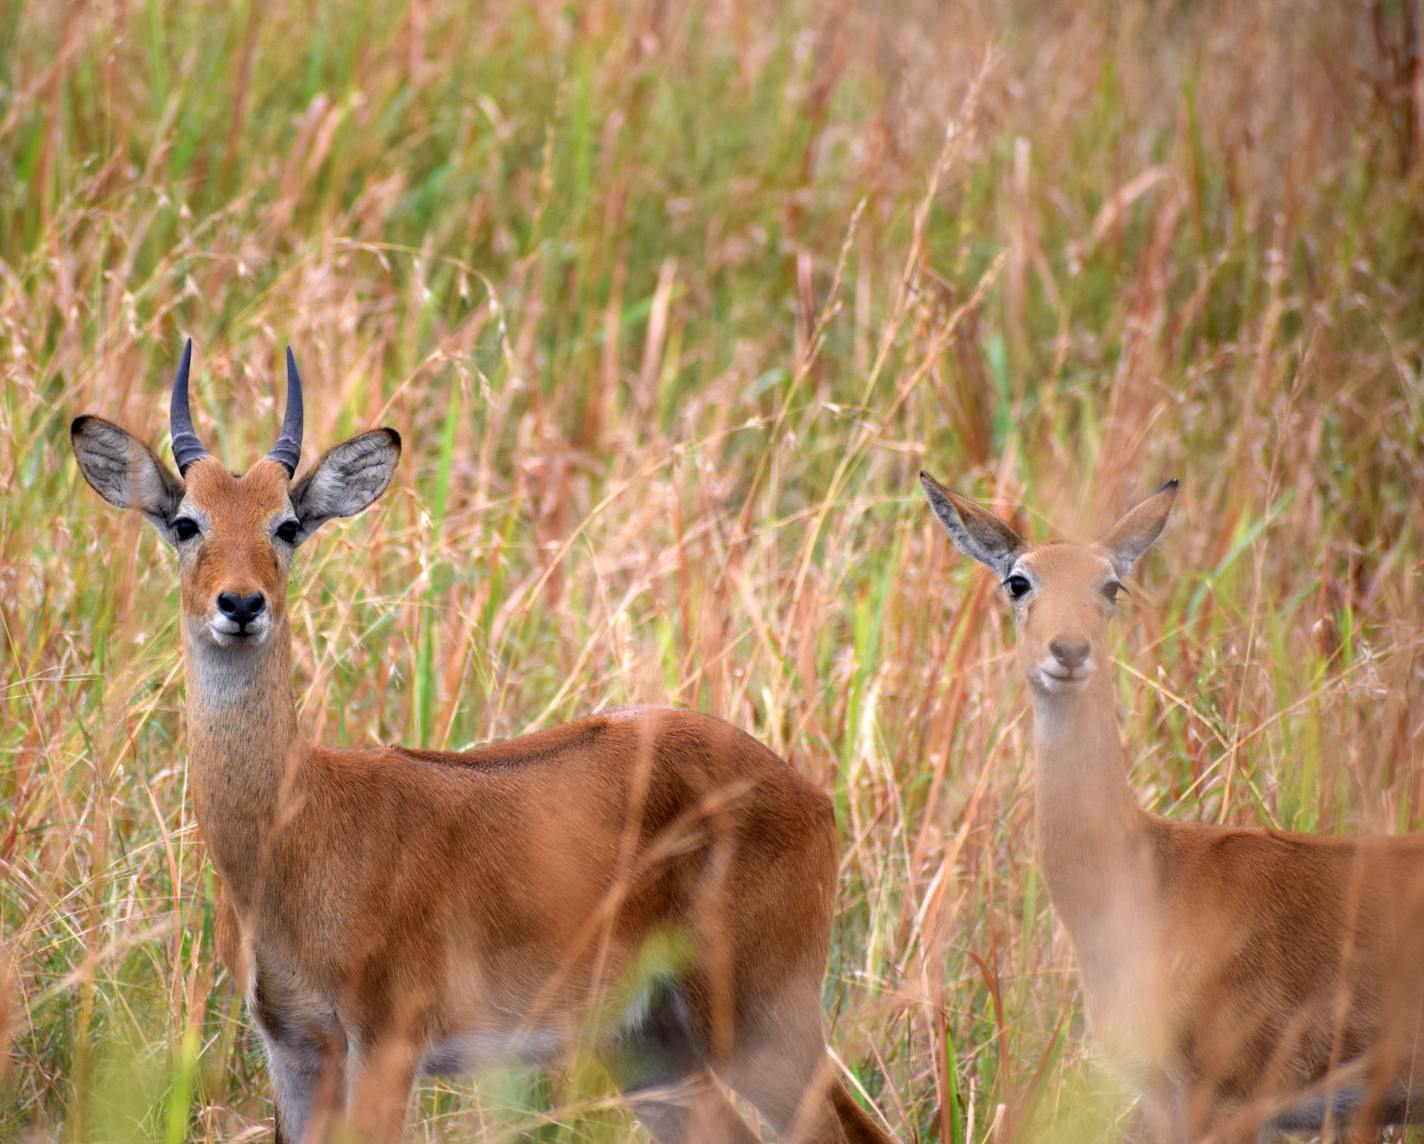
{"x":225,"y":632}
{"x":1056,"y":679}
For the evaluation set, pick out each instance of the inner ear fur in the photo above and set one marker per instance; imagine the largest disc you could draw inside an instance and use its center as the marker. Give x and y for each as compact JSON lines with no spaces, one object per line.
{"x":125,"y":471}
{"x":1138,"y":528}
{"x":347,"y":479}
{"x":975,"y":531}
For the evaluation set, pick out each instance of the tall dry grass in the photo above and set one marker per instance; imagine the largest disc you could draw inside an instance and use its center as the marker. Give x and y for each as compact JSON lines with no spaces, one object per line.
{"x":669,"y":303}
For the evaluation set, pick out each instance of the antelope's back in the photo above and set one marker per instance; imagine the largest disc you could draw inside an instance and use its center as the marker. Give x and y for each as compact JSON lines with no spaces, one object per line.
{"x":649,"y":769}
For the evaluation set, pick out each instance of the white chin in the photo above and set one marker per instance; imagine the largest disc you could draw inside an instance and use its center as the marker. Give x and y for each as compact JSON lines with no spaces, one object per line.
{"x":1062,"y":684}
{"x":253,"y":637}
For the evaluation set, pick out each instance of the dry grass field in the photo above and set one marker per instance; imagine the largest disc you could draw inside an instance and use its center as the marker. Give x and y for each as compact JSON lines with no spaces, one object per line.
{"x":669,"y":303}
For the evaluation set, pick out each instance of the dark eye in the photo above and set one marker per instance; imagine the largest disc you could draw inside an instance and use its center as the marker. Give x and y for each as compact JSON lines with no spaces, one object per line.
{"x":287,"y":531}
{"x":185,"y":528}
{"x":1018,"y":587}
{"x":1110,"y":590}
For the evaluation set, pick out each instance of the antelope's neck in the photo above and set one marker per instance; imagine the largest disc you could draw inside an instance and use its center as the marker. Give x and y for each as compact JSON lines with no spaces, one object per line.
{"x":1093,"y":844}
{"x":244,"y":751}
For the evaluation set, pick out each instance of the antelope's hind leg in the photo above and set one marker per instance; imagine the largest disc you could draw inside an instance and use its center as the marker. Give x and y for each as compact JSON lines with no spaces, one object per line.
{"x":662,"y":1073}
{"x":780,"y":1064}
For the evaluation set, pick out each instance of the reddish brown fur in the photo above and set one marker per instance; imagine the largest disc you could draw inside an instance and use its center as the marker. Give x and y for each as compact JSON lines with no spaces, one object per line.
{"x":389,"y":907}
{"x":239,"y":555}
{"x":1245,"y":975}
{"x":1286,"y":956}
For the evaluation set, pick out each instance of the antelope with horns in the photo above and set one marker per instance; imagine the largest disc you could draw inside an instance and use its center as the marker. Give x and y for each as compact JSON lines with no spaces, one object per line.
{"x":649,"y":883}
{"x":1255,"y":981}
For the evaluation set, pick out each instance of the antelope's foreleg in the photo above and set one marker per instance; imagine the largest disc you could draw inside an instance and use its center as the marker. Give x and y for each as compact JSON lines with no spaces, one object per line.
{"x":306,"y":1056}
{"x":381,"y":1080}
{"x":306,"y":1083}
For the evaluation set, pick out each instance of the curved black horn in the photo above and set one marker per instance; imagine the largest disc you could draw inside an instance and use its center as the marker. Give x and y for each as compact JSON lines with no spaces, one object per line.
{"x":288,"y":449}
{"x":186,"y":446}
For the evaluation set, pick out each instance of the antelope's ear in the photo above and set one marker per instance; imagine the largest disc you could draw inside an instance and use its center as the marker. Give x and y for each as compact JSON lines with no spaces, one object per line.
{"x":1137,"y":530}
{"x":347,"y":479}
{"x":976,"y":531}
{"x":124,"y":471}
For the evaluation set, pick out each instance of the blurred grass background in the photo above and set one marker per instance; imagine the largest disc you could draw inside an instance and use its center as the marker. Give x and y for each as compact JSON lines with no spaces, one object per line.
{"x":669,"y":303}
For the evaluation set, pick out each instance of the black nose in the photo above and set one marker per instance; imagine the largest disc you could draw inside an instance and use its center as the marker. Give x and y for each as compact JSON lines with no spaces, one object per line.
{"x":241,"y":609}
{"x":1070,"y":652}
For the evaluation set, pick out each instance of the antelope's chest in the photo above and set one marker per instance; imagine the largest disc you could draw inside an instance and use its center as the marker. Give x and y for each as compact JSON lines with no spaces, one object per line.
{"x":1126,"y":985}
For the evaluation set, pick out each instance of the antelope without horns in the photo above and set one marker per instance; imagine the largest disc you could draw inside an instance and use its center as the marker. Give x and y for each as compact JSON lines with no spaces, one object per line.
{"x":653,"y":885}
{"x":1254,"y":981}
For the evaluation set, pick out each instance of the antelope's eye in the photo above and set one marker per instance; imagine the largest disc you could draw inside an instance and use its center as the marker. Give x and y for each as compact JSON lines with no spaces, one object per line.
{"x":185,"y":528}
{"x":1017,"y":586}
{"x":287,"y":531}
{"x":1110,"y":591}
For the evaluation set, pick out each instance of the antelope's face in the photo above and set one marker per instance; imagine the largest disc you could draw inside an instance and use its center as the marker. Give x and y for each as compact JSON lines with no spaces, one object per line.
{"x":234,"y":535}
{"x":1063,"y":595}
